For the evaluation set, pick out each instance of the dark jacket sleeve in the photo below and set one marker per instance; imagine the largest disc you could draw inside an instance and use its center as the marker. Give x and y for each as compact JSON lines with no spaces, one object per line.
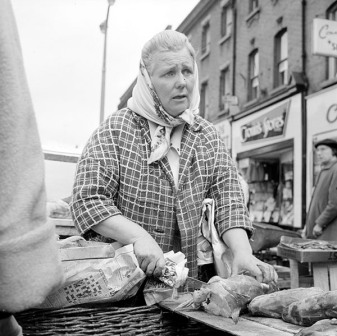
{"x":329,"y":214}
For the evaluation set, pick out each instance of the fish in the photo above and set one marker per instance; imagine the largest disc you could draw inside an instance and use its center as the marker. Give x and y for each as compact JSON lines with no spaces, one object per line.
{"x":273,"y":304}
{"x":310,"y":310}
{"x":226,"y":297}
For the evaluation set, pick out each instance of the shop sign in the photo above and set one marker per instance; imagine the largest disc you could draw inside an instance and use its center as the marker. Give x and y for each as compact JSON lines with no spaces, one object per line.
{"x":331,"y":114}
{"x":324,"y":37}
{"x":268,"y":126}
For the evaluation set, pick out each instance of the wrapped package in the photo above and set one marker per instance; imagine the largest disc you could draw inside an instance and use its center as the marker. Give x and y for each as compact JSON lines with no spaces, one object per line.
{"x":273,"y":304}
{"x":100,"y":273}
{"x":312,"y":309}
{"x":226,"y":297}
{"x":174,"y":276}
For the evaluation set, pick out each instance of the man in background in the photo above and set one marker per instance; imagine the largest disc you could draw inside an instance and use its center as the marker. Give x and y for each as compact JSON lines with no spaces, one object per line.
{"x":321,"y":220}
{"x":29,"y":265}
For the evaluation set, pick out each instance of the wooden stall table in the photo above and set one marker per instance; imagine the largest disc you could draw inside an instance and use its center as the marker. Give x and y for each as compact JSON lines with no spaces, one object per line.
{"x":321,"y":255}
{"x":247,"y":325}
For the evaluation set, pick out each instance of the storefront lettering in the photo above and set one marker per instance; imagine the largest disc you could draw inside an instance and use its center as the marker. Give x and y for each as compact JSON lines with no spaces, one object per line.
{"x":331,"y":114}
{"x":270,"y":125}
{"x":324,"y":33}
{"x":263,"y":128}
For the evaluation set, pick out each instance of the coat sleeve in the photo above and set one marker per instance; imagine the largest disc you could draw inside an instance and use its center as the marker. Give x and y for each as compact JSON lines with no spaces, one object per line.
{"x":329,"y":214}
{"x":29,"y":264}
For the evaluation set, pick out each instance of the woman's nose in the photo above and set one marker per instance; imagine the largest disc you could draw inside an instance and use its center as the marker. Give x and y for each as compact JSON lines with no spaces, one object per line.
{"x":181,"y":80}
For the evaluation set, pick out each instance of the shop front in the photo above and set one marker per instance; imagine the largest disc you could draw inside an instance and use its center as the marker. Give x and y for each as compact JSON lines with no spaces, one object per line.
{"x":321,"y":124}
{"x":267,"y":146}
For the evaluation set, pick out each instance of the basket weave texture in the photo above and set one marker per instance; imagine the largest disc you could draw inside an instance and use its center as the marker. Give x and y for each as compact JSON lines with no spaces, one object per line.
{"x":103,"y":319}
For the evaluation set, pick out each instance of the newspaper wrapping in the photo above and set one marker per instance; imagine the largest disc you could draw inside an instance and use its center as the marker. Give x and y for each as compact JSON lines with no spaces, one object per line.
{"x":112,"y":276}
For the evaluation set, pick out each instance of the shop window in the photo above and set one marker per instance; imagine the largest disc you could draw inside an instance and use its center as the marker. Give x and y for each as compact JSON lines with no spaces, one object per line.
{"x":270,"y":181}
{"x":332,"y":61}
{"x":281,"y":59}
{"x":226,"y":20}
{"x":224,"y":87}
{"x":253,"y":85}
{"x":253,"y":5}
{"x":205,"y":38}
{"x":204,"y":100}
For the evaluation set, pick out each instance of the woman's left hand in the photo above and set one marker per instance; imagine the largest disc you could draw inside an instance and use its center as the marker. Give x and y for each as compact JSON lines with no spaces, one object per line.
{"x":246,"y":262}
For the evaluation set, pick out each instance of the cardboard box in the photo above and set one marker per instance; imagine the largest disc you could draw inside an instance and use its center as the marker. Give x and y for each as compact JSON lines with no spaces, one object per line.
{"x":313,"y":255}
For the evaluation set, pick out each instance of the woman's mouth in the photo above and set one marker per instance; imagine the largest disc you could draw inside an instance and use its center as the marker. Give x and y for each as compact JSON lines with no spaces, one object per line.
{"x":179,"y":97}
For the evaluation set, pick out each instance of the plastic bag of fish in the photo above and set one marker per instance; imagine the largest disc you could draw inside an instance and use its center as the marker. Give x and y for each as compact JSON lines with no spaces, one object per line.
{"x":227,"y":297}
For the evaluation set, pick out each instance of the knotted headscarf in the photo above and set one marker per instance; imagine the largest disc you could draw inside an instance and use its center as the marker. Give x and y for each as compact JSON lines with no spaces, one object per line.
{"x":145,"y":102}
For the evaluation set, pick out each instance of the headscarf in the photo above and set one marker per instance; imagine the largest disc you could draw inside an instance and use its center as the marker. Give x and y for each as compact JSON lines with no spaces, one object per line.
{"x":145,"y":102}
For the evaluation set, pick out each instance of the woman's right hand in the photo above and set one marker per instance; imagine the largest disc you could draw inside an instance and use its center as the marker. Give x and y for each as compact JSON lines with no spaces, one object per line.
{"x":149,"y":255}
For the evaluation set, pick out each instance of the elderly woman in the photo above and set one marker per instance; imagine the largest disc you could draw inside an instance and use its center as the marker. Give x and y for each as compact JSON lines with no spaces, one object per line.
{"x":146,"y":170}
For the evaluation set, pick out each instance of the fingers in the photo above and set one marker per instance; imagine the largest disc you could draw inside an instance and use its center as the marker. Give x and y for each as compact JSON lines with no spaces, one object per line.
{"x":151,"y":266}
{"x":268,"y":273}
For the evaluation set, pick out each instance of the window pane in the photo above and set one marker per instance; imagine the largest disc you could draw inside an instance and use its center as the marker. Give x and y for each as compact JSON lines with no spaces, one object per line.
{"x":284,"y":46}
{"x":204,"y":100}
{"x":253,"y":4}
{"x":224,"y":21}
{"x":224,"y":88}
{"x":205,"y":38}
{"x":253,"y":90}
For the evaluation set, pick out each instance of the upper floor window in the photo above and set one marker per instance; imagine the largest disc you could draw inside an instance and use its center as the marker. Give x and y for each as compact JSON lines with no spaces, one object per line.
{"x":253,"y":84}
{"x":205,"y":38}
{"x":332,"y":61}
{"x":253,"y":4}
{"x":226,"y":20}
{"x":204,"y":110}
{"x":224,"y":87}
{"x":281,"y":59}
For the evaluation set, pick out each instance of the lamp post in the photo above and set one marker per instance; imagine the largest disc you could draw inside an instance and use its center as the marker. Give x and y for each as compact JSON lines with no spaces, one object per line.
{"x":104,"y":29}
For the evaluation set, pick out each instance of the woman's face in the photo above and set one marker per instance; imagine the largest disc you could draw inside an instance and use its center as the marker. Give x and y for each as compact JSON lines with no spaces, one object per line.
{"x":172,"y":76}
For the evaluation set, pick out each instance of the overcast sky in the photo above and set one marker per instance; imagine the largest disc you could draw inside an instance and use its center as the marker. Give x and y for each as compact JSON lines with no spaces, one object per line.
{"x":63,"y":54}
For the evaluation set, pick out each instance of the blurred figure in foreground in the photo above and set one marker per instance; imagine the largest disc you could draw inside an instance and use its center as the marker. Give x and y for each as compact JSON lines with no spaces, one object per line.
{"x":321,"y":220}
{"x":29,"y":263}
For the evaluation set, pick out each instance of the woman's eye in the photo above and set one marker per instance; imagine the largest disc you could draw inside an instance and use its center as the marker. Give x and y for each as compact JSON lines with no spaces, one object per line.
{"x":169,"y":74}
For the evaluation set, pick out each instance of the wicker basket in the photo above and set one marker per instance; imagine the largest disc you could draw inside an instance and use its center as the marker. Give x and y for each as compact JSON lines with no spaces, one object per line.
{"x":105,"y":319}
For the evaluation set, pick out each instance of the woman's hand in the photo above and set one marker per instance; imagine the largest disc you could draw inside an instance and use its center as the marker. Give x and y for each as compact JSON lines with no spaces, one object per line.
{"x":149,"y":255}
{"x":246,"y":262}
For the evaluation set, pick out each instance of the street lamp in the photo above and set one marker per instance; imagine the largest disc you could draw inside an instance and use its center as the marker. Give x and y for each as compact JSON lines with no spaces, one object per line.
{"x":104,"y":29}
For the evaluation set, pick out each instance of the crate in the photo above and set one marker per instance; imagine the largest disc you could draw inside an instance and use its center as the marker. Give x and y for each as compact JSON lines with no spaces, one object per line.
{"x":323,"y":262}
{"x":285,"y":250}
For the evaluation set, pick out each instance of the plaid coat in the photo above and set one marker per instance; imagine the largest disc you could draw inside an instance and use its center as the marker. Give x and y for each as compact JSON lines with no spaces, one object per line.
{"x":113,"y":177}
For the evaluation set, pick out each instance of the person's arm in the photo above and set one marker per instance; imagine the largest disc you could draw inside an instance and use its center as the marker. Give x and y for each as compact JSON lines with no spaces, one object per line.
{"x":29,"y":261}
{"x":232,"y":219}
{"x":149,"y":255}
{"x":244,"y":260}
